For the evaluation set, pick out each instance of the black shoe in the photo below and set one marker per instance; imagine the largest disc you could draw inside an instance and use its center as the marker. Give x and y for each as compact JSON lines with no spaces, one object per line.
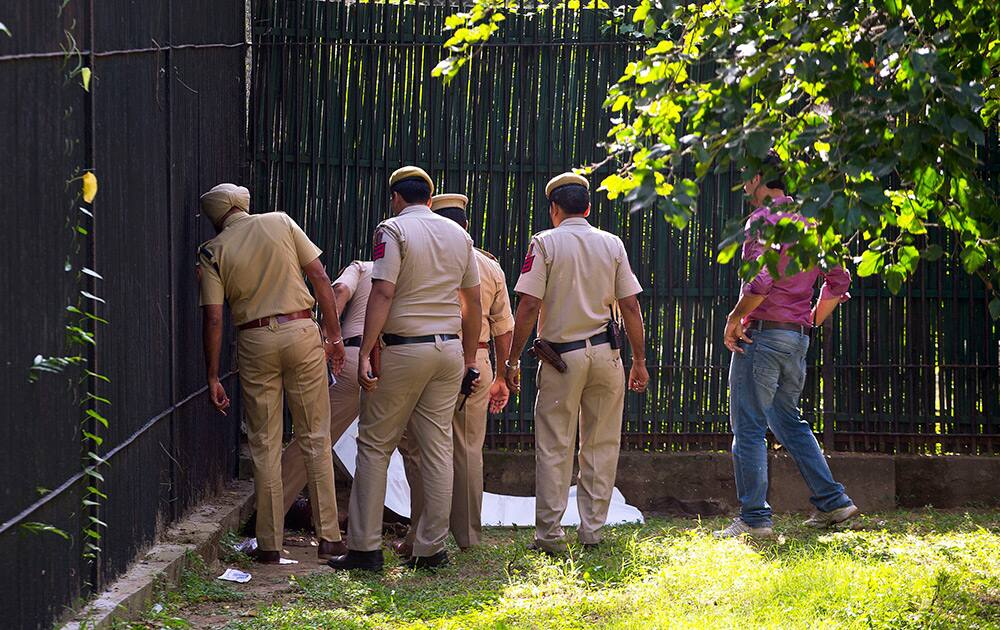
{"x":364,"y":560}
{"x":438,"y":560}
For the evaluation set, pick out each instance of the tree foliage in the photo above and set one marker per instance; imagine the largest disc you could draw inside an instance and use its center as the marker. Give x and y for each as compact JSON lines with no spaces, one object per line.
{"x":879,"y":109}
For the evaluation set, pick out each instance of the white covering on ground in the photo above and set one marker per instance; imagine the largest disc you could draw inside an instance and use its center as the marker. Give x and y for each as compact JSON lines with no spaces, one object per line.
{"x":498,"y":509}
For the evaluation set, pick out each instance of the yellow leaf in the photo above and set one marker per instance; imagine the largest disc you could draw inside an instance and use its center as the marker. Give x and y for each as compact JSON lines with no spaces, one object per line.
{"x":89,"y":187}
{"x":85,"y":75}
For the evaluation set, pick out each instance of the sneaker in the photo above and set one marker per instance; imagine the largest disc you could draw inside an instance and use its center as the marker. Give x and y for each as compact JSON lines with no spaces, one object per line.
{"x":833,"y":518}
{"x":739,"y":527}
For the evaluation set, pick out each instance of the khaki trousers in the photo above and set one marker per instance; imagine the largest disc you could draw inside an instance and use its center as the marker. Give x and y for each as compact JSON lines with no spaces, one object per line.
{"x":345,"y":400}
{"x":469,"y":434}
{"x":279,"y":361}
{"x":418,"y":385}
{"x":590,"y":393}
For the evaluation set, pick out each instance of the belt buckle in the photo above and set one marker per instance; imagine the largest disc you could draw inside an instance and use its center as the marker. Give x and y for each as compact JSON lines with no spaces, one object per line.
{"x":272,"y":323}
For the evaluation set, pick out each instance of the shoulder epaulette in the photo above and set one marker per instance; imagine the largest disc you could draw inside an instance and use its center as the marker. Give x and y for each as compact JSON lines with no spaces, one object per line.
{"x":487,"y":254}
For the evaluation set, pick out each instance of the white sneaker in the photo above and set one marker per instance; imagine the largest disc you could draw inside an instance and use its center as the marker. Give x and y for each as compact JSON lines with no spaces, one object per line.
{"x":826,"y":520}
{"x":740,"y":528}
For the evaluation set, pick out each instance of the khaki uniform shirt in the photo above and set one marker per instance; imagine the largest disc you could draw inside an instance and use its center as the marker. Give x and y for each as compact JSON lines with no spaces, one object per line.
{"x":577,"y":271}
{"x":357,"y":279}
{"x":256,"y":264}
{"x":497,"y":318}
{"x":428,"y":258}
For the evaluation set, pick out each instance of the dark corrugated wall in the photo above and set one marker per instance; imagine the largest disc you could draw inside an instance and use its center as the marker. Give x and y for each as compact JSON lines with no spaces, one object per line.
{"x":163,"y":121}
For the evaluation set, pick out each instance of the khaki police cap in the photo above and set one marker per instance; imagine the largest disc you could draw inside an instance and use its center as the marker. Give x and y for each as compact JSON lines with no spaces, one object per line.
{"x":410,"y":172}
{"x":450,"y":200}
{"x":564,"y":180}
{"x":223,"y":198}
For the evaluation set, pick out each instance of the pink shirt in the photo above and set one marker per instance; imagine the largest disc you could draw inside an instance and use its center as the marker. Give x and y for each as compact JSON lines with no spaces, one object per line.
{"x":789,"y":298}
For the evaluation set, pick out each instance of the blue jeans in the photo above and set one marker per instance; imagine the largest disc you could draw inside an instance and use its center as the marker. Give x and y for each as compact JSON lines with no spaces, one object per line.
{"x":765,"y":384}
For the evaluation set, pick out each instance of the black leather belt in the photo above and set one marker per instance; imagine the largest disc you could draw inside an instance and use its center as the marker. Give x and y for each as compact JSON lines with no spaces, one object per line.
{"x":762,"y":324}
{"x":353,"y":342}
{"x":570,"y":346}
{"x":398,"y":340}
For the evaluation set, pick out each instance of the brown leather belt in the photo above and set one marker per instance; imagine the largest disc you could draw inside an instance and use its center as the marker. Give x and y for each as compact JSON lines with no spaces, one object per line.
{"x":281,"y":319}
{"x":762,"y":324}
{"x":484,"y":345}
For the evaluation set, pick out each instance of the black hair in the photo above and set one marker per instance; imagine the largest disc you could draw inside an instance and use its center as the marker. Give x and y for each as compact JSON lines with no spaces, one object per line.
{"x":572,"y":198}
{"x":455,"y":214}
{"x":774,"y":169}
{"x":412,"y":190}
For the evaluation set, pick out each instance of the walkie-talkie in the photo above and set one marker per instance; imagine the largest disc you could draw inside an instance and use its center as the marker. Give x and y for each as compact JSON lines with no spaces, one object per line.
{"x":471,"y":375}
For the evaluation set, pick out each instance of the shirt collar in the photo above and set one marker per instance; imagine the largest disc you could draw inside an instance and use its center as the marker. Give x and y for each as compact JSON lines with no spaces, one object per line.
{"x":233,"y":218}
{"x":414,"y":209}
{"x":571,"y":221}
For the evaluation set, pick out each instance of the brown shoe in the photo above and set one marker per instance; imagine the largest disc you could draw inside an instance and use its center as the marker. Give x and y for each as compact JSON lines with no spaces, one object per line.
{"x":329,"y":549}
{"x":266,"y":557}
{"x":402,"y":548}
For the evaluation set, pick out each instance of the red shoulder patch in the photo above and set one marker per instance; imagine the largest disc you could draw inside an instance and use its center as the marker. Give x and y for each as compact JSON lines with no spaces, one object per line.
{"x":529,"y":261}
{"x":378,"y":251}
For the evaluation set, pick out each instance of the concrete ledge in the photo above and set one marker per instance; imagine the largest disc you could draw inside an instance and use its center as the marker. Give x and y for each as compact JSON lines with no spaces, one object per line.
{"x":948,"y":481}
{"x":870,"y":480}
{"x":199,"y":532}
{"x":701,"y":483}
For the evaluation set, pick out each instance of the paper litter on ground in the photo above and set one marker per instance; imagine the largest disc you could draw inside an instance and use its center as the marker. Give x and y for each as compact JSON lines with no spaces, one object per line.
{"x":498,"y":509}
{"x":246,"y":546}
{"x":235,"y":575}
{"x":287,"y":561}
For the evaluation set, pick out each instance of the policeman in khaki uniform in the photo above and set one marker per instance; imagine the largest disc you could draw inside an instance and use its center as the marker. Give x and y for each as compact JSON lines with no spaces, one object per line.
{"x":425,"y":290}
{"x":469,"y":422}
{"x":570,"y":279}
{"x":256,"y":264}
{"x":350,"y":289}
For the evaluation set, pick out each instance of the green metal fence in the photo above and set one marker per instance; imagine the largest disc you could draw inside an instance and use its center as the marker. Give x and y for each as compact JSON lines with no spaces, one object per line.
{"x":342,"y":96}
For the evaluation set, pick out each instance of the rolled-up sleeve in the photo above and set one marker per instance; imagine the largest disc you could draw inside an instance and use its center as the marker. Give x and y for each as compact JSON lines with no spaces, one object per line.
{"x":836,"y":282}
{"x":760,"y":285}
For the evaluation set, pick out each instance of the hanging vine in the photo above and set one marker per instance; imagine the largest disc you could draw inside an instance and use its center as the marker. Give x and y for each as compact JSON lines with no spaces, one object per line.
{"x":80,"y":329}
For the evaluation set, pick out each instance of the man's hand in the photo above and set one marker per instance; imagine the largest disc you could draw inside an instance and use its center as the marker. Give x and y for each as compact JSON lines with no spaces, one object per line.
{"x":335,"y":355}
{"x":735,"y":333}
{"x":638,"y":377}
{"x":499,"y":395}
{"x":513,"y":378}
{"x":474,"y":366}
{"x":217,"y":393}
{"x":366,"y":377}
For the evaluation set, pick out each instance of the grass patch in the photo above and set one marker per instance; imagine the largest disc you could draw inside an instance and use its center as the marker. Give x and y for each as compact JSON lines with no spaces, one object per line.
{"x":905,"y":569}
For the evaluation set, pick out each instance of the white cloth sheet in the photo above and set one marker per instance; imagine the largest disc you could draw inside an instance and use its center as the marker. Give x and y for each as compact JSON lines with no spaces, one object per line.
{"x":498,"y":509}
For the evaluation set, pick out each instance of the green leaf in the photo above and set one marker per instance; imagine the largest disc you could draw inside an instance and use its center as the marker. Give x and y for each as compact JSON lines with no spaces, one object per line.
{"x":871,"y":263}
{"x":909,"y":257}
{"x":97,"y":416}
{"x":4,"y":29}
{"x":995,"y":308}
{"x":726,"y":253}
{"x":932,"y":253}
{"x":973,"y":258}
{"x":758,"y":143}
{"x":894,"y":280}
{"x":36,"y":528}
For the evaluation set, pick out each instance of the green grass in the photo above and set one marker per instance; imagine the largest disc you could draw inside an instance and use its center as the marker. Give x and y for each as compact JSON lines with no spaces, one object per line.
{"x":916,"y":569}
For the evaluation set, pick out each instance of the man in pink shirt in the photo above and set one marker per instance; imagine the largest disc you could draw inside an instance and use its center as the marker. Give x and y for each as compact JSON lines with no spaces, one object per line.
{"x":768,"y":333}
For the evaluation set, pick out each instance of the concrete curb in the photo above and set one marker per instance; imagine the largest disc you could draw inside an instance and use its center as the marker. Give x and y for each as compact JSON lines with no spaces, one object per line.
{"x":200,"y":532}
